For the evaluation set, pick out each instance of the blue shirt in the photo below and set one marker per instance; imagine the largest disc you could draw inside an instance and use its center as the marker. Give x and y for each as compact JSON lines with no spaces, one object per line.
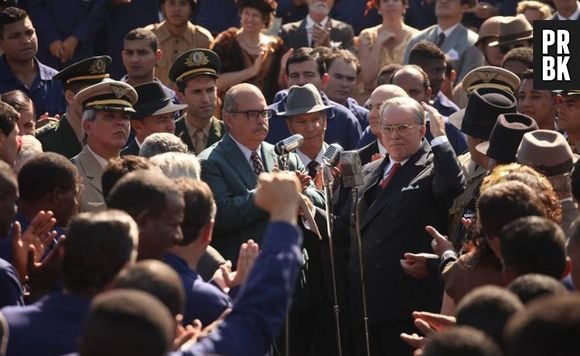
{"x":51,"y":326}
{"x":203,"y":300}
{"x":46,"y":94}
{"x":342,"y":126}
{"x":10,"y":287}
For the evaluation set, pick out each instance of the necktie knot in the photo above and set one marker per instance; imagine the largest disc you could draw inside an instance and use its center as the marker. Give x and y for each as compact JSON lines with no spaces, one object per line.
{"x":440,"y":39}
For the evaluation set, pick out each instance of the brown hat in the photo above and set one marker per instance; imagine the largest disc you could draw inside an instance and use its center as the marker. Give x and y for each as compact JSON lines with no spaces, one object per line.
{"x":490,"y":77}
{"x":489,"y":28}
{"x":108,"y":95}
{"x":513,"y":29}
{"x":303,"y":100}
{"x":547,"y":151}
{"x":506,"y":137}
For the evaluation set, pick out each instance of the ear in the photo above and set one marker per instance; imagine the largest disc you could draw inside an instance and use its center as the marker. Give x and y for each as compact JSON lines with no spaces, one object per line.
{"x":87,"y":124}
{"x":69,"y":96}
{"x":137,"y":125}
{"x":207,"y":232}
{"x":429,"y":91}
{"x":158,"y":55}
{"x":567,"y":267}
{"x":180,"y":95}
{"x":227,"y":118}
{"x":325,"y":78}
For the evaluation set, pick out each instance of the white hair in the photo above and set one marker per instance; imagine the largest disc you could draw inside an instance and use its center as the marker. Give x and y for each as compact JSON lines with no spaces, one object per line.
{"x":30,"y":148}
{"x":161,"y":142}
{"x":178,"y":164}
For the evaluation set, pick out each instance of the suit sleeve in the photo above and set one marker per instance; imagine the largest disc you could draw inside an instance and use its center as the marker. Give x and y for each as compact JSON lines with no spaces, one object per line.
{"x":88,"y":28}
{"x":260,"y":309}
{"x":472,"y":58}
{"x":43,"y":22}
{"x":449,"y":181}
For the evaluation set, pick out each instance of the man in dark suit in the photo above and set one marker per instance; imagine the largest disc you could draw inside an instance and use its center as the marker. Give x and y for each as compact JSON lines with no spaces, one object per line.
{"x":451,"y":36}
{"x":154,"y":113}
{"x":65,"y":137}
{"x":195,"y":74}
{"x":318,"y":29}
{"x":413,"y":186}
{"x":231,"y":166}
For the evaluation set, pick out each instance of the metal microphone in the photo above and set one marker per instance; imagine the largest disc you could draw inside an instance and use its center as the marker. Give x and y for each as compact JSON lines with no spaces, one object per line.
{"x":288,"y":144}
{"x":332,"y":154}
{"x":350,"y":166}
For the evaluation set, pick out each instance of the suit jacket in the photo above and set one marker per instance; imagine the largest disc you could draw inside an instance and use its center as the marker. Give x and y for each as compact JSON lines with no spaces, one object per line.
{"x":59,"y":138}
{"x":216,"y":132}
{"x":366,"y":153}
{"x":419,"y":194}
{"x":295,"y":35}
{"x":225,"y":169}
{"x":131,"y":149}
{"x":459,"y":47}
{"x":91,"y":172}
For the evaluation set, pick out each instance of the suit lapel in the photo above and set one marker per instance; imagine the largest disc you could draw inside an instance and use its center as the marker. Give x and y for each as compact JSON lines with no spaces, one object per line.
{"x":181,"y":132}
{"x":453,"y":39}
{"x":216,"y":131}
{"x":269,"y":157}
{"x":301,"y":35}
{"x":91,"y":168}
{"x":239,"y":163}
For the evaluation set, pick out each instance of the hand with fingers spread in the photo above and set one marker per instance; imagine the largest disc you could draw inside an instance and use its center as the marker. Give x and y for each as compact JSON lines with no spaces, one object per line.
{"x":427,"y":323}
{"x":43,"y":275}
{"x":440,"y":244}
{"x":248,"y":253}
{"x":187,"y":335}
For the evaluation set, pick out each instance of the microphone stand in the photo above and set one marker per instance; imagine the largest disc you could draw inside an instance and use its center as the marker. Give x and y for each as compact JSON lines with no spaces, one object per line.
{"x":327,"y":181}
{"x":284,"y":162}
{"x":355,"y":220}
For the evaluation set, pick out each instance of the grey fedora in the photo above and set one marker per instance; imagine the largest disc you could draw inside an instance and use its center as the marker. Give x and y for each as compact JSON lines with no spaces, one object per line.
{"x":303,"y":100}
{"x":547,"y":151}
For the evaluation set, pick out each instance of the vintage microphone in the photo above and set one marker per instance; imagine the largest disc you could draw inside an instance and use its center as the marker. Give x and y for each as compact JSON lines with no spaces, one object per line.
{"x":287,"y":145}
{"x":330,"y":159}
{"x":352,"y":178}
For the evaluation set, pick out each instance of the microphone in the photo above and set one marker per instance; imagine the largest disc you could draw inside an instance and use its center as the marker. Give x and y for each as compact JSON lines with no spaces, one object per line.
{"x":288,"y":144}
{"x":350,"y":166}
{"x":331,"y":156}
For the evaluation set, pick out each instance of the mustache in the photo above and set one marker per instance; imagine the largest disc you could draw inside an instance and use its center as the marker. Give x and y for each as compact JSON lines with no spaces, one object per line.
{"x":261,"y":128}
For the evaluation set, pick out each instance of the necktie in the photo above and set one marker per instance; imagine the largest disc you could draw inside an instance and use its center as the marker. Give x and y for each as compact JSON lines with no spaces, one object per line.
{"x":199,"y":141}
{"x":257,"y":165}
{"x":312,"y":169}
{"x":390,"y":175}
{"x":440,"y":39}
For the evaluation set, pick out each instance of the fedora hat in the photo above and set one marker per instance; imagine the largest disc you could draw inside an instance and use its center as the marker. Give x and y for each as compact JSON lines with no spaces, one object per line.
{"x":506,"y":137}
{"x":303,"y":100}
{"x":153,"y":101}
{"x":513,"y":29}
{"x":482,"y":110}
{"x":489,"y":29}
{"x":547,"y":151}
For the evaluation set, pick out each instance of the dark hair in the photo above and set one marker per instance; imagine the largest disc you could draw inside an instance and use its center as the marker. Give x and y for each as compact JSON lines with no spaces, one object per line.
{"x":550,"y":326}
{"x":504,"y":202}
{"x":192,"y":4}
{"x":304,"y":54}
{"x":97,"y":247}
{"x":530,"y":287}
{"x":142,"y":190}
{"x":9,"y":16}
{"x":157,"y":279}
{"x":266,"y":7}
{"x":118,"y":167}
{"x":127,"y":322}
{"x":44,"y":174}
{"x":200,"y":208}
{"x":8,"y":118}
{"x":427,"y":51}
{"x":534,"y":244}
{"x":424,"y":75}
{"x":386,"y":73}
{"x":343,"y":54}
{"x":520,"y":54}
{"x":140,"y":33}
{"x":488,"y":309}
{"x":460,"y":341}
{"x":17,"y":99}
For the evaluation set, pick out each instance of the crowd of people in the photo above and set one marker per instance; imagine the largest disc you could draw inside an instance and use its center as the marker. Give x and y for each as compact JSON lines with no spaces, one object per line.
{"x":292,"y":177}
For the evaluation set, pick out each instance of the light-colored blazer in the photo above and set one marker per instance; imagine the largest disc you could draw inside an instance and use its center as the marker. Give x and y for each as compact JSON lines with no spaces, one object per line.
{"x":90,"y":172}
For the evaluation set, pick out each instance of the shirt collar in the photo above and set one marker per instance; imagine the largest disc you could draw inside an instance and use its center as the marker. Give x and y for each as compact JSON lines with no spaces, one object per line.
{"x":389,"y":165}
{"x":310,"y":22}
{"x":382,"y":149}
{"x":163,"y":33}
{"x":100,"y":160}
{"x":574,"y":16}
{"x":448,"y":31}
{"x":191,"y":130}
{"x":246,"y":151}
{"x":306,"y":160}
{"x":46,"y":72}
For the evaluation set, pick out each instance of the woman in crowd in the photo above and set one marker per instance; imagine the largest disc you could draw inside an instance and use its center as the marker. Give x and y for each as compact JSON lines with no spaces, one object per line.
{"x":385,"y":43}
{"x":22,"y":103}
{"x":534,"y":10}
{"x":247,"y":54}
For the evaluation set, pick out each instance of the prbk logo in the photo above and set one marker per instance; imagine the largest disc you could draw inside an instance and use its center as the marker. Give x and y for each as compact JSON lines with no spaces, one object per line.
{"x":556,"y":55}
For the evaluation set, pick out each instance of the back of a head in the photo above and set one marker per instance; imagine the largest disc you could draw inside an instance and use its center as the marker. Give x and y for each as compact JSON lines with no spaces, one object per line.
{"x":425,"y":51}
{"x":118,"y":167}
{"x":488,"y":309}
{"x":97,"y":247}
{"x":127,"y":322}
{"x":530,"y":287}
{"x":157,"y":279}
{"x":460,"y":341}
{"x":45,"y":174}
{"x":178,"y":165}
{"x":533,"y":245}
{"x":161,"y":142}
{"x":141,"y":190}
{"x":550,"y":326}
{"x":200,"y":208}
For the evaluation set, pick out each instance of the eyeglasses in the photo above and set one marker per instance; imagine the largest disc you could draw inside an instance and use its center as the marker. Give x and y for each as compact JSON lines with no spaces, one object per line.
{"x":254,"y":115}
{"x":401,"y":130}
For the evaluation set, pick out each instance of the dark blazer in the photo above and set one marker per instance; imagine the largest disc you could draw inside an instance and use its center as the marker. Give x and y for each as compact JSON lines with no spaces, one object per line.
{"x":366,"y":153}
{"x":59,"y":138}
{"x":131,"y":149}
{"x":419,"y":194}
{"x":225,"y":169}
{"x":216,"y":132}
{"x":295,"y":36}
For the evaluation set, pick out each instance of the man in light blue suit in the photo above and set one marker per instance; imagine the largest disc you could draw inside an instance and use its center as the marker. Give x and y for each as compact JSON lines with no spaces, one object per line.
{"x":231,"y":166}
{"x":451,"y":36}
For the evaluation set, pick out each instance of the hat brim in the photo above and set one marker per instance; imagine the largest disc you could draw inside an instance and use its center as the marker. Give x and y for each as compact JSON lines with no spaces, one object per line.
{"x":456,"y":119}
{"x":169,"y":108}
{"x":304,"y":110}
{"x":498,"y":43}
{"x":483,"y":147}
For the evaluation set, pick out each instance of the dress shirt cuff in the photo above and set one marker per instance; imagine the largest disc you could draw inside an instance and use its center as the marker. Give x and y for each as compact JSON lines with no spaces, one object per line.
{"x":439,"y":140}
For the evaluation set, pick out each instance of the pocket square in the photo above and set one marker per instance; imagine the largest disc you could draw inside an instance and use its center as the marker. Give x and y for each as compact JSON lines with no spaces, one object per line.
{"x":410,"y":187}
